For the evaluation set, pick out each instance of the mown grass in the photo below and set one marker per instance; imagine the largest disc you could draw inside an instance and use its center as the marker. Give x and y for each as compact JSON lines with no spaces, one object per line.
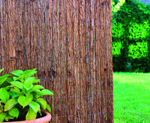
{"x":131,"y":97}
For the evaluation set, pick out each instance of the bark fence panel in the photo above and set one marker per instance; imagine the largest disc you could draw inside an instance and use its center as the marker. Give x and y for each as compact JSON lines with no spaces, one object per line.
{"x":69,"y":42}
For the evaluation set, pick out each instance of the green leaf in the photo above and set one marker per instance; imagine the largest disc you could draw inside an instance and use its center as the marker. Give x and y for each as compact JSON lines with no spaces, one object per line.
{"x":48,"y":108}
{"x":12,"y":94}
{"x":28,"y":73}
{"x":39,"y":111}
{"x":34,"y":69}
{"x":2,"y":116}
{"x":1,"y":109}
{"x":36,"y":81}
{"x":17,"y":72}
{"x":15,"y":78}
{"x":37,"y":93}
{"x":7,"y":86}
{"x":15,"y":95}
{"x":42,"y":102}
{"x":3,"y":78}
{"x":14,"y":112}
{"x":31,"y":115}
{"x":10,"y":79}
{"x":20,"y":78}
{"x":36,"y":87}
{"x":35,"y":106}
{"x":4,"y":95}
{"x":1,"y":70}
{"x":8,"y":117}
{"x":21,"y":101}
{"x":17,"y":84}
{"x":24,"y":101}
{"x":46,"y":92}
{"x":28,"y":83}
{"x":10,"y":104}
{"x":32,"y":78}
{"x":15,"y":89}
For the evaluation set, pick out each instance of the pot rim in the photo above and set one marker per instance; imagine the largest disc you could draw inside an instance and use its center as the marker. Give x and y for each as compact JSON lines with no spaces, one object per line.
{"x":44,"y":119}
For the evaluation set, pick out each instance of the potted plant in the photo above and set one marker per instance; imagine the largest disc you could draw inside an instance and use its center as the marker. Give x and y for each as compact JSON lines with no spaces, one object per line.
{"x":21,"y":99}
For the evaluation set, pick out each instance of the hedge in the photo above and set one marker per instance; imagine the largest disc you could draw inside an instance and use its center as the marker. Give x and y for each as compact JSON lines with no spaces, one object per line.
{"x":131,"y":36}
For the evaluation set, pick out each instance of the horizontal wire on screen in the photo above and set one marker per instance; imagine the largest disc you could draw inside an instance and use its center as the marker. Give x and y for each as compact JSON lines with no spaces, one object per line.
{"x":89,"y":114}
{"x":85,"y":114}
{"x":90,"y":77}
{"x":52,"y":41}
{"x":44,"y":1}
{"x":64,"y":97}
{"x":84,"y":22}
{"x":77,"y":59}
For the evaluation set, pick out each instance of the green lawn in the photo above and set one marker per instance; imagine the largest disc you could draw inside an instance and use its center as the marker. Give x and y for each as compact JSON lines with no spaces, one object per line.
{"x":131,"y":97}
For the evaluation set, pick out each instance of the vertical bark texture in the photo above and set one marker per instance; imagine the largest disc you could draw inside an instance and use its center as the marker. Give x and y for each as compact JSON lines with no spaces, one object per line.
{"x":69,"y":42}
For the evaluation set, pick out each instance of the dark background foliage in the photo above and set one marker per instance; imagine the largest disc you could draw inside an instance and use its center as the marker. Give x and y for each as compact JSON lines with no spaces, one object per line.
{"x":131,"y":36}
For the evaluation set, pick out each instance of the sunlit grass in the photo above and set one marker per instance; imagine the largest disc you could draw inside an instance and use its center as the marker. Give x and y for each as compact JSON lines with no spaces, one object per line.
{"x":131,"y":97}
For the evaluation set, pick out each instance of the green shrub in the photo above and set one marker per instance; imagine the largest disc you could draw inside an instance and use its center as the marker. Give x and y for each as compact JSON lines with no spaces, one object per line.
{"x":131,"y":36}
{"x":139,"y":50}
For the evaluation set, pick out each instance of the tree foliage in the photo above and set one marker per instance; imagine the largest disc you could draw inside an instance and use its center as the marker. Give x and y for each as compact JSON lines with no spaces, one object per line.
{"x":131,"y":36}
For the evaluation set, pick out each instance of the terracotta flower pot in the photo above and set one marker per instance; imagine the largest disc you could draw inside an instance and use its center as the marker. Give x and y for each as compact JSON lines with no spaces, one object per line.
{"x":44,"y":119}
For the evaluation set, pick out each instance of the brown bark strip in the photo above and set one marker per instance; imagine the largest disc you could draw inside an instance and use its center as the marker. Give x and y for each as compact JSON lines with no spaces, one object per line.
{"x":110,"y":67}
{"x":82,"y":72}
{"x":48,"y":49}
{"x":41,"y":41}
{"x":34,"y":35}
{"x":88,"y":66}
{"x":19,"y":35}
{"x":70,"y":63}
{"x":76,"y":62}
{"x":56,"y":62}
{"x":103,"y":63}
{"x":26,"y":35}
{"x":11,"y":42}
{"x":63,"y":62}
{"x":98,"y":59}
{"x":2,"y":33}
{"x":5,"y":51}
{"x":93,"y":61}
